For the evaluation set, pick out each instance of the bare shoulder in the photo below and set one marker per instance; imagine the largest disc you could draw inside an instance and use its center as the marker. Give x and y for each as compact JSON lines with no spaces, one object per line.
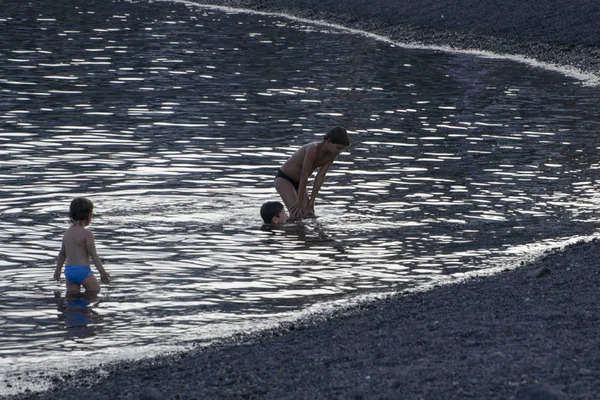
{"x":301,"y":153}
{"x":296,"y":163}
{"x":77,"y":233}
{"x":88,"y":234}
{"x":311,"y":148}
{"x":69,"y":234}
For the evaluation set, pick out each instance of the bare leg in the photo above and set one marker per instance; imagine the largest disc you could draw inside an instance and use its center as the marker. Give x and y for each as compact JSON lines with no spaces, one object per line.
{"x":72,"y":287}
{"x":90,"y":297}
{"x":91,"y":284}
{"x":287,"y":192}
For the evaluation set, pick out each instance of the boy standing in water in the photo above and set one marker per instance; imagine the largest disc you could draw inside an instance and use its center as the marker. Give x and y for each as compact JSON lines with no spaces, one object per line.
{"x":292,"y":177}
{"x":78,"y":246}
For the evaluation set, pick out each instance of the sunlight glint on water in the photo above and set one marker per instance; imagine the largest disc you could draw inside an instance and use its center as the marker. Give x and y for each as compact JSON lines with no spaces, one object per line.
{"x":174,"y":119}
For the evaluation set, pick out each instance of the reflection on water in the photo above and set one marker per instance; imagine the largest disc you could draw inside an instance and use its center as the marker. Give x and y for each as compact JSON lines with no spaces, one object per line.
{"x":76,"y":314}
{"x":174,"y":119}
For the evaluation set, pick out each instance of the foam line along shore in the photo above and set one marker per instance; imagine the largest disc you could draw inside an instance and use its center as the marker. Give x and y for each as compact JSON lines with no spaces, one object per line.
{"x":526,"y":332}
{"x":556,"y":35}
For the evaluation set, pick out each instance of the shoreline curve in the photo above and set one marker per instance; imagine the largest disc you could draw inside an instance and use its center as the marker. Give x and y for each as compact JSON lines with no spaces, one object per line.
{"x":550,"y":34}
{"x":528,"y":332}
{"x":524,"y":333}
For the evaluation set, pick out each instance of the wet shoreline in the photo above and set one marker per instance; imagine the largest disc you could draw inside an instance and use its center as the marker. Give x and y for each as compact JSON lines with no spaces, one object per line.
{"x":513,"y":335}
{"x":557,"y":33}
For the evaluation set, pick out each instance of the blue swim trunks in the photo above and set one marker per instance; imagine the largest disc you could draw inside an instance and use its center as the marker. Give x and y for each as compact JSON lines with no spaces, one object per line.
{"x":77,"y":273}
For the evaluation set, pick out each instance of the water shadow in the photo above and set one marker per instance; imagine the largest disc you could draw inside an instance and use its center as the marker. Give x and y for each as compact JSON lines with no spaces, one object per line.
{"x":76,"y":313}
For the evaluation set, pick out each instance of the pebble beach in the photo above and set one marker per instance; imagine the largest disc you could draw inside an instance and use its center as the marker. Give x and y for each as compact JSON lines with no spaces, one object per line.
{"x":529,"y":332}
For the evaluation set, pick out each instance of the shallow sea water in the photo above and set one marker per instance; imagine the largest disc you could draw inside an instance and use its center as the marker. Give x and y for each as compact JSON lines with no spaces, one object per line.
{"x":173,"y":119}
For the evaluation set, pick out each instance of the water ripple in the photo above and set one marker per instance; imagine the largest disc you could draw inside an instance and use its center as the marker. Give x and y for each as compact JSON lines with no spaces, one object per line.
{"x":174,"y":122}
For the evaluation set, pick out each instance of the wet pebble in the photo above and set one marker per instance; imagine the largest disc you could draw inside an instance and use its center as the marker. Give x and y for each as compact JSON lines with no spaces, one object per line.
{"x":540,"y":392}
{"x":151,"y":394}
{"x":541,"y":272}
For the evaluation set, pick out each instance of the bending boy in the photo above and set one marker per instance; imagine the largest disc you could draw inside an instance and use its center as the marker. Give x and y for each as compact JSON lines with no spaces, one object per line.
{"x":292,"y":177}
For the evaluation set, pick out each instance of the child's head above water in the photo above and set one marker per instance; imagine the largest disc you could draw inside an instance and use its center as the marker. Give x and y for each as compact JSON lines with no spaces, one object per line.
{"x":81,"y":210}
{"x":338,"y":135}
{"x":272,"y":212}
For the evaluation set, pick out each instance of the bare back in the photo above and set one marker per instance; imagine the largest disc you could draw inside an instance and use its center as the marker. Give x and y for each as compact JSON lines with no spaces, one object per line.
{"x":293,"y":166}
{"x":76,"y":244}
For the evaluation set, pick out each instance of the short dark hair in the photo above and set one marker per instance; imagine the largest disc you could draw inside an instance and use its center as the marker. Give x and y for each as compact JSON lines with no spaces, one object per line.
{"x":269,"y":210}
{"x":81,"y":209}
{"x":337,"y":135}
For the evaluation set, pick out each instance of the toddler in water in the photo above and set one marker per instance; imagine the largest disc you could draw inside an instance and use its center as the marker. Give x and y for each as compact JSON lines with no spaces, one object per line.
{"x":78,"y":246}
{"x":272,"y":212}
{"x":292,"y":177}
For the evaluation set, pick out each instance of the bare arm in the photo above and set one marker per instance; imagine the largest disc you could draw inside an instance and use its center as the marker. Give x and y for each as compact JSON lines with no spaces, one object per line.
{"x":309,"y":158}
{"x":60,"y":260}
{"x":319,"y":179}
{"x":90,"y":243}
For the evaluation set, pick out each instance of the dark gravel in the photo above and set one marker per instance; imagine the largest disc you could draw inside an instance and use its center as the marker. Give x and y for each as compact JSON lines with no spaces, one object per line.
{"x":529,"y":333}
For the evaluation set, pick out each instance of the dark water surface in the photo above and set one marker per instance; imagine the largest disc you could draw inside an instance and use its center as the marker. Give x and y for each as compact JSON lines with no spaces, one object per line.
{"x":173,"y":119}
